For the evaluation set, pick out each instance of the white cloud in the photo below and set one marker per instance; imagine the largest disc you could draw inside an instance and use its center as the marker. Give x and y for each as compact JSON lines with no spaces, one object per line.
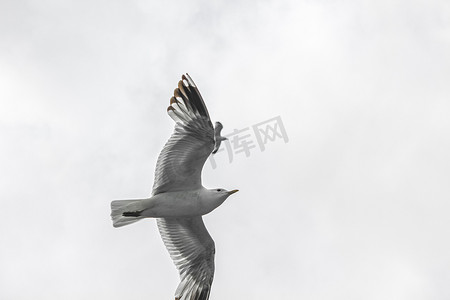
{"x":354,"y":206}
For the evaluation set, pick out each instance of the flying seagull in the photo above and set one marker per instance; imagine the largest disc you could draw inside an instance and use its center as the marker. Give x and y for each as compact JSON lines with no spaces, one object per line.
{"x":178,"y":199}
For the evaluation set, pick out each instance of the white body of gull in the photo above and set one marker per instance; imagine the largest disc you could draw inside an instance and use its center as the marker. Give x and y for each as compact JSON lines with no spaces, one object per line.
{"x":178,"y":198}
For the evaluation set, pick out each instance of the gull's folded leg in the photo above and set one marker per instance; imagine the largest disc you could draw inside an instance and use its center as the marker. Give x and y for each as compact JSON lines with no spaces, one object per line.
{"x":136,"y":213}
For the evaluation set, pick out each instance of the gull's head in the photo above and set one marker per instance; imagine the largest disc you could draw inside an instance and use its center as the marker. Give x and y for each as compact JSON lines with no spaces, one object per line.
{"x":213,"y":198}
{"x":220,"y":194}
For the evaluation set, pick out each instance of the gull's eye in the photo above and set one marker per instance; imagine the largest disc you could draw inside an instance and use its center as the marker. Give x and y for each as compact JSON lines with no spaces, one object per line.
{"x":218,"y":190}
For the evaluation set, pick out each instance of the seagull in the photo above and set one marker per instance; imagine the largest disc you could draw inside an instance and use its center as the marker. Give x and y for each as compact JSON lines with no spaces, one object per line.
{"x":179,"y":200}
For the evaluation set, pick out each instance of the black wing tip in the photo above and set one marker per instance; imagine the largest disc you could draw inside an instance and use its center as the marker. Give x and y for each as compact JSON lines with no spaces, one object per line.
{"x":188,"y":91}
{"x":188,"y":79}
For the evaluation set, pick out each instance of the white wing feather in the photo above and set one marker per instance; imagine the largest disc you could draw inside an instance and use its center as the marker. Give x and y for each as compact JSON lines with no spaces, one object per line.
{"x":180,"y":163}
{"x":192,"y":250}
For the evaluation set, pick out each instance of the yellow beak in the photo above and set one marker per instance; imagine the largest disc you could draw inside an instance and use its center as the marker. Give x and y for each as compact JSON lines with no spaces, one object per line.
{"x":233,"y":191}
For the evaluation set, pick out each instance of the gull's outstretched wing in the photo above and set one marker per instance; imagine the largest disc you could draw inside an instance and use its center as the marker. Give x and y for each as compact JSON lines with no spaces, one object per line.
{"x":192,"y":250}
{"x":180,"y":163}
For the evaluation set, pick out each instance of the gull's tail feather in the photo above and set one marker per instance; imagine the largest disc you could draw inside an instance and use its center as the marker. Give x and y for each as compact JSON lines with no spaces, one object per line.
{"x":124,"y":212}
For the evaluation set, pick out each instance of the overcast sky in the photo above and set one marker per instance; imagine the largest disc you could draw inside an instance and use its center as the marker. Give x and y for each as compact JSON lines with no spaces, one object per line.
{"x":354,"y":206}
